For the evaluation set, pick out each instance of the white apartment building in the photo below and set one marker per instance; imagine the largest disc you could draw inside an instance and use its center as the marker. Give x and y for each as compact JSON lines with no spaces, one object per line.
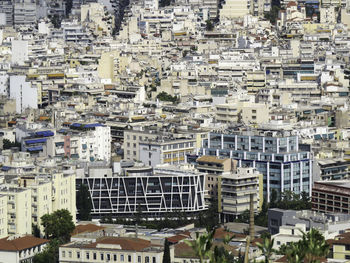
{"x":24,"y":93}
{"x":91,"y":143}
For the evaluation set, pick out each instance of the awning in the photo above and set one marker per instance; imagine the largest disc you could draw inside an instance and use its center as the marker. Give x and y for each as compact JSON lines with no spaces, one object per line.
{"x":5,"y":168}
{"x":45,"y":133}
{"x":35,"y":141}
{"x":35,"y":149}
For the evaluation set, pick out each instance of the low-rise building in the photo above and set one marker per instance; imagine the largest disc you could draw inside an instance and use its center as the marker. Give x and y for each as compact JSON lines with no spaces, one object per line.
{"x":18,"y":249}
{"x":112,"y":249}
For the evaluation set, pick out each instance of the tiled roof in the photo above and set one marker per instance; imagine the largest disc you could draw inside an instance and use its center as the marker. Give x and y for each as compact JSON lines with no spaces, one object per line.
{"x":86,"y":228}
{"x":126,"y":243}
{"x":21,"y":243}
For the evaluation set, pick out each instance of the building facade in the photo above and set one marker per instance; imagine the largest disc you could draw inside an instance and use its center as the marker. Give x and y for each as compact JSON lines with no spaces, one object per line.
{"x":154,"y":192}
{"x":234,"y":192}
{"x":283,"y":165}
{"x":331,"y":196}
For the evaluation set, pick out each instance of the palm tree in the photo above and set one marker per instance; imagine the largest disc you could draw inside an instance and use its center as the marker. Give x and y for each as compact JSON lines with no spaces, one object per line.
{"x":266,"y":248}
{"x":314,"y":245}
{"x":202,"y":245}
{"x":309,"y":249}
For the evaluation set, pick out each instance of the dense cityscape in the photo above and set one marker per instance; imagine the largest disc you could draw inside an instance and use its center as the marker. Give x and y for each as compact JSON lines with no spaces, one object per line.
{"x":174,"y":131}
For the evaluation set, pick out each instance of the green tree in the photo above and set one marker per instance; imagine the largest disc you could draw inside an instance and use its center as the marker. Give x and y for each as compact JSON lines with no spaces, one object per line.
{"x":166,"y":255}
{"x":309,"y":249}
{"x":49,"y":254}
{"x":35,"y":230}
{"x":266,"y":248}
{"x":202,"y":245}
{"x":58,"y":225}
{"x":7,"y":144}
{"x":139,"y":216}
{"x":84,"y":204}
{"x":209,"y":25}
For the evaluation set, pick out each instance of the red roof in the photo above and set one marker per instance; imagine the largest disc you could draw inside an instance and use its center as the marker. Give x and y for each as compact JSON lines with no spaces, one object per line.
{"x":21,"y":243}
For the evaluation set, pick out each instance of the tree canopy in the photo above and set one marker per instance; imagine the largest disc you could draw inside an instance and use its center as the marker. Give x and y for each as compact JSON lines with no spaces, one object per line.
{"x":58,"y":225}
{"x":84,"y":204}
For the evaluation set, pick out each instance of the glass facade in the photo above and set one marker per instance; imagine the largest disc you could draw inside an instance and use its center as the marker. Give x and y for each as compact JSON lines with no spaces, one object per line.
{"x":279,"y":159}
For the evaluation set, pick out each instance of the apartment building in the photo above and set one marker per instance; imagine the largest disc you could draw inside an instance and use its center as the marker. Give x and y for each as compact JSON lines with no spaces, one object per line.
{"x":19,"y":209}
{"x":234,"y":192}
{"x":340,"y":246}
{"x":86,"y":142}
{"x":244,"y":111}
{"x":167,"y":150}
{"x":24,"y":13}
{"x":6,"y":8}
{"x":154,"y":191}
{"x":192,"y":139}
{"x":331,"y":196}
{"x":213,"y":167}
{"x":274,"y":154}
{"x":132,"y":139}
{"x":112,"y":249}
{"x":333,"y":169}
{"x":41,"y":197}
{"x":3,"y":216}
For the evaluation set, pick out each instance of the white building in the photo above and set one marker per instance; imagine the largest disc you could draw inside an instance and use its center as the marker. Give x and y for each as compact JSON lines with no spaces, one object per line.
{"x":18,"y":249}
{"x":22,"y":91}
{"x":19,"y":50}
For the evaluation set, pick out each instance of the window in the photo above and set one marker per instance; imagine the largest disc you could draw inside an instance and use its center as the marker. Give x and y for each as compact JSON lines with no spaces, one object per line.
{"x":347,"y":256}
{"x":63,"y":254}
{"x":102,"y":256}
{"x":108,"y":257}
{"x":129,"y":258}
{"x":87,"y":255}
{"x":115,"y":257}
{"x":139,"y":259}
{"x":95,"y":256}
{"x":347,"y":247}
{"x":70,"y":254}
{"x":78,"y":254}
{"x":122,"y":258}
{"x":154,"y":260}
{"x":146,"y":259}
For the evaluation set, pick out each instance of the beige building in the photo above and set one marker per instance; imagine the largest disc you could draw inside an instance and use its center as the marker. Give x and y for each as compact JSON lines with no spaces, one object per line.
{"x":235,"y":189}
{"x":247,"y":112}
{"x":214,"y":167}
{"x":41,"y":192}
{"x":19,"y":209}
{"x":112,"y":249}
{"x":255,"y":81}
{"x":64,"y":192}
{"x":234,"y":9}
{"x":3,"y":216}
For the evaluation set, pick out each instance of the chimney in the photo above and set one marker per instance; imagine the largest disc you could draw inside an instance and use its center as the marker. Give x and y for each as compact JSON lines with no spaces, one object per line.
{"x":251,"y":219}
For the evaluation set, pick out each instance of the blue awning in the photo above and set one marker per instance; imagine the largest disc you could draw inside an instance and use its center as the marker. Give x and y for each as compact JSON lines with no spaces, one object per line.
{"x":5,"y":168}
{"x":34,"y":149}
{"x":93,"y":125}
{"x":44,"y":133}
{"x":35,"y":141}
{"x":76,"y":125}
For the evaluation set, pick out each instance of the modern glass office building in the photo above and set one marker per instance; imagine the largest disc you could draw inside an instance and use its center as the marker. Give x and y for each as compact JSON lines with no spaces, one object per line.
{"x":277,"y":157}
